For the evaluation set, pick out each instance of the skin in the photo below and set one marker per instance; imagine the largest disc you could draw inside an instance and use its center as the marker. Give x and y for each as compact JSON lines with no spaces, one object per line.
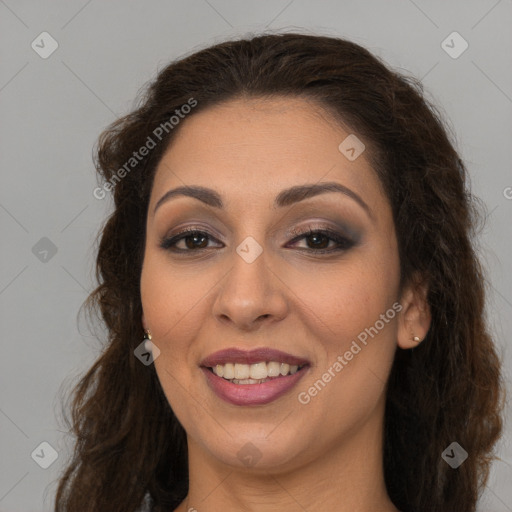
{"x":304,"y":303}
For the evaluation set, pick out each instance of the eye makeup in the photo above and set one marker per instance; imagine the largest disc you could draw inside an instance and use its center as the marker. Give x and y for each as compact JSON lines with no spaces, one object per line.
{"x":324,"y":238}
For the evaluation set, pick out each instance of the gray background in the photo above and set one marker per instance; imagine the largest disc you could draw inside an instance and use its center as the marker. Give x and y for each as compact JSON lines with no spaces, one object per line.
{"x":53,"y":109}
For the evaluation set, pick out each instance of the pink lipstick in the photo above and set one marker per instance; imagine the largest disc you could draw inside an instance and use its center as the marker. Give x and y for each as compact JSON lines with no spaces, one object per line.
{"x":262,"y":375}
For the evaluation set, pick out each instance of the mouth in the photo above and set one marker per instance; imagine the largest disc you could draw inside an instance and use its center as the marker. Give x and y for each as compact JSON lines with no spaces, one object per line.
{"x":253,"y":377}
{"x":256,"y":373}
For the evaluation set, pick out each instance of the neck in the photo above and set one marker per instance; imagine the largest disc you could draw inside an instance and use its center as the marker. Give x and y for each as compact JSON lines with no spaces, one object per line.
{"x":346,"y":477}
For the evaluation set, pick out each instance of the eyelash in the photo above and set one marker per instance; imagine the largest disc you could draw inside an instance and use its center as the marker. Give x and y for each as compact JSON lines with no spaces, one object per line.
{"x":344,"y":243}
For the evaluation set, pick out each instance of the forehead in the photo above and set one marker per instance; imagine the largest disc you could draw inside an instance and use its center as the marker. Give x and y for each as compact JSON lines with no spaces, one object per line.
{"x":256,"y":147}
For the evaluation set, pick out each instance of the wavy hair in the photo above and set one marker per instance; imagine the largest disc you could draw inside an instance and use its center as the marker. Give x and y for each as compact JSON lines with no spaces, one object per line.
{"x":130,"y":449}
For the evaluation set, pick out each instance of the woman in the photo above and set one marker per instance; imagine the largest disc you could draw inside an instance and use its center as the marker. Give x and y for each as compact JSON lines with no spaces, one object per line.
{"x":293,"y":233}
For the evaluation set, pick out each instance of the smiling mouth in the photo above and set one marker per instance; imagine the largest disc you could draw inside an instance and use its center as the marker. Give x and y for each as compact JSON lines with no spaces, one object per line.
{"x":257,"y":373}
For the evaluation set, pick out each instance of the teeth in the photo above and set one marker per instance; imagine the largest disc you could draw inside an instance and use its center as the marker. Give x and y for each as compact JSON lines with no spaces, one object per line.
{"x":229,"y":371}
{"x":242,"y":371}
{"x":273,"y":369}
{"x":259,"y":371}
{"x":248,"y":381}
{"x":253,"y":373}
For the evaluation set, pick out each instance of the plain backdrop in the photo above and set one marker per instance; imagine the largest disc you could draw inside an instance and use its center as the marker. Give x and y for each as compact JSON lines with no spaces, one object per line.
{"x":54,"y":106}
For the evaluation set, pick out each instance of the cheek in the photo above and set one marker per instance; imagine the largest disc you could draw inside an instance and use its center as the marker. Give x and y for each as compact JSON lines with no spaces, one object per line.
{"x":350,"y":311}
{"x":342,"y":300}
{"x":165,"y":301}
{"x":168,"y":294}
{"x":171,"y":305}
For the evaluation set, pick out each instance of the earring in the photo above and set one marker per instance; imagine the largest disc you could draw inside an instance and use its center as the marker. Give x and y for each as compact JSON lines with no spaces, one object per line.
{"x":147,"y":340}
{"x":416,"y":339}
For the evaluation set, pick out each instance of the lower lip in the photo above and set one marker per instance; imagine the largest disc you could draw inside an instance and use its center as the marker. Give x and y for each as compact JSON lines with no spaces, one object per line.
{"x":252,"y":394}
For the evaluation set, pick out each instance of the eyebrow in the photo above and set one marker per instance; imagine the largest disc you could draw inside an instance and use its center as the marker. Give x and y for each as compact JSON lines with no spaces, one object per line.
{"x":285,"y":198}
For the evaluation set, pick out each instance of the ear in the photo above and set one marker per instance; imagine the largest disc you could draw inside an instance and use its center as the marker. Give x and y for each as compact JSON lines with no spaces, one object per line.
{"x":415,"y":317}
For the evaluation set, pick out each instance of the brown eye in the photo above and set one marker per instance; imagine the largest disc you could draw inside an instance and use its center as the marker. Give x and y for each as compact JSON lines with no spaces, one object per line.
{"x":194,"y":240}
{"x":318,"y":240}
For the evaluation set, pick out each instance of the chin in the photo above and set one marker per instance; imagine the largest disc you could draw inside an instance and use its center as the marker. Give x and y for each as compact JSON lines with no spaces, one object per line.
{"x":258,"y":451}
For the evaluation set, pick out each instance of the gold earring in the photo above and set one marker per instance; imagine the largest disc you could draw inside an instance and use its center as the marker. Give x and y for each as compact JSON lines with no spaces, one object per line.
{"x":147,"y":339}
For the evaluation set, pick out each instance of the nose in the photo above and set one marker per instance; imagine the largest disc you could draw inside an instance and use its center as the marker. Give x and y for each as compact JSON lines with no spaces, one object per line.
{"x":251,"y":294}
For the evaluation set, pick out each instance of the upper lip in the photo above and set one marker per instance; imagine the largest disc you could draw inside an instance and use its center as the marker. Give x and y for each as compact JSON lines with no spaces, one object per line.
{"x":235,"y":355}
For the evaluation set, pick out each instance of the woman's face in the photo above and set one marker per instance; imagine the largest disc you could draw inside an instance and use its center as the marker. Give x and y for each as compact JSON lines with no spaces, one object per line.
{"x":246,"y":282}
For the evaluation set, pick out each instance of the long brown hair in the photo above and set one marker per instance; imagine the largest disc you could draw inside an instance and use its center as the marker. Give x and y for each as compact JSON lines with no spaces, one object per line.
{"x":130,"y":446}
